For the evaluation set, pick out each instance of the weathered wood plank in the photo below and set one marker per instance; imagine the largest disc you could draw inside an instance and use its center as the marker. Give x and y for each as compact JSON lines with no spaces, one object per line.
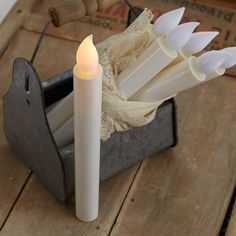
{"x":38,"y":213}
{"x":231,"y":230}
{"x":186,"y":191}
{"x":13,"y":21}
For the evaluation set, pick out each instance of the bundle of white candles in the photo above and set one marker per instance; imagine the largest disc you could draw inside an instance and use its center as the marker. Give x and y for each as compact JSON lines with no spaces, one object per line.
{"x":167,"y":67}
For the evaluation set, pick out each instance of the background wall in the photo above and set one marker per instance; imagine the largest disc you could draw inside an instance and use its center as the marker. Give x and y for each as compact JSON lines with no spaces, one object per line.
{"x":5,"y":7}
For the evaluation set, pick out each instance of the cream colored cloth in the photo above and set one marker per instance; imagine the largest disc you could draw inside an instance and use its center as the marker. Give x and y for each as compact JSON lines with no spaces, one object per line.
{"x":116,"y":54}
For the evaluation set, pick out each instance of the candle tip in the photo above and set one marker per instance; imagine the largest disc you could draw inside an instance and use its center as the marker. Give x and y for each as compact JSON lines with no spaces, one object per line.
{"x":211,"y":61}
{"x":179,"y":36}
{"x":231,"y":61}
{"x":87,"y":56}
{"x":168,"y":21}
{"x":198,"y":41}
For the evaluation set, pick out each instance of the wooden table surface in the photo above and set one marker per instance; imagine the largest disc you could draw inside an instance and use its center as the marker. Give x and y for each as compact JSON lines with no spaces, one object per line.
{"x":186,"y":190}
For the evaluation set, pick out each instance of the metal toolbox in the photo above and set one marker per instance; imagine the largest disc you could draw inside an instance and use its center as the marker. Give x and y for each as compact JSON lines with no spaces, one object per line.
{"x":27,"y":130}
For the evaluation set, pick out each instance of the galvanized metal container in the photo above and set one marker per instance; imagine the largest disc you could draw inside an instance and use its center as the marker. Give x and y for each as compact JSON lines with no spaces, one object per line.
{"x":27,"y":130}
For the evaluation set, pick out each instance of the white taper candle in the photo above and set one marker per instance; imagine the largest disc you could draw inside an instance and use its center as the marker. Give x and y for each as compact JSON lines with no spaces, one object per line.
{"x":60,"y":113}
{"x":153,"y":60}
{"x":196,"y":44}
{"x":64,"y":135}
{"x":180,"y":77}
{"x":229,"y":61}
{"x":168,"y":21}
{"x":87,"y":125}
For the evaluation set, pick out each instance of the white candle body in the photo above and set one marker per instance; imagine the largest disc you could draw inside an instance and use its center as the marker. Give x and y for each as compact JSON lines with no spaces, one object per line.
{"x":64,"y":135}
{"x":154,"y":59}
{"x":215,"y":74}
{"x":174,"y":80}
{"x":87,"y":125}
{"x":60,"y":113}
{"x":181,"y":57}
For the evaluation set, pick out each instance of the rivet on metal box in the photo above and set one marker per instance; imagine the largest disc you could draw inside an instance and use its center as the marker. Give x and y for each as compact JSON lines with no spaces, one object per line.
{"x":27,"y":129}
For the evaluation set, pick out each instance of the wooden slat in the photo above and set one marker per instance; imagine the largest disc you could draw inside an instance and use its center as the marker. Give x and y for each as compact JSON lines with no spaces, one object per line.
{"x":186,"y":191}
{"x":52,"y":57}
{"x":231,"y":230}
{"x":38,"y":213}
{"x":13,"y":21}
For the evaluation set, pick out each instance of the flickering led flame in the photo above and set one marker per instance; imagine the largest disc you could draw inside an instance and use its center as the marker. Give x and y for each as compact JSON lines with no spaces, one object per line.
{"x":211,"y":61}
{"x":179,"y":36}
{"x":87,"y":56}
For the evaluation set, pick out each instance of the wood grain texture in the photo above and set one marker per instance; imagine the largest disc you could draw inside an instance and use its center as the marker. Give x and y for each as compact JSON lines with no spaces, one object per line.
{"x":186,"y":191}
{"x":231,"y":229}
{"x":13,"y":21}
{"x":51,"y":59}
{"x":38,"y":213}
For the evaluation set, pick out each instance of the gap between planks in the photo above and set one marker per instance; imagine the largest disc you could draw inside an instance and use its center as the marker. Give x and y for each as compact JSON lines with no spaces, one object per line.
{"x":16,"y":200}
{"x":125,"y":197}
